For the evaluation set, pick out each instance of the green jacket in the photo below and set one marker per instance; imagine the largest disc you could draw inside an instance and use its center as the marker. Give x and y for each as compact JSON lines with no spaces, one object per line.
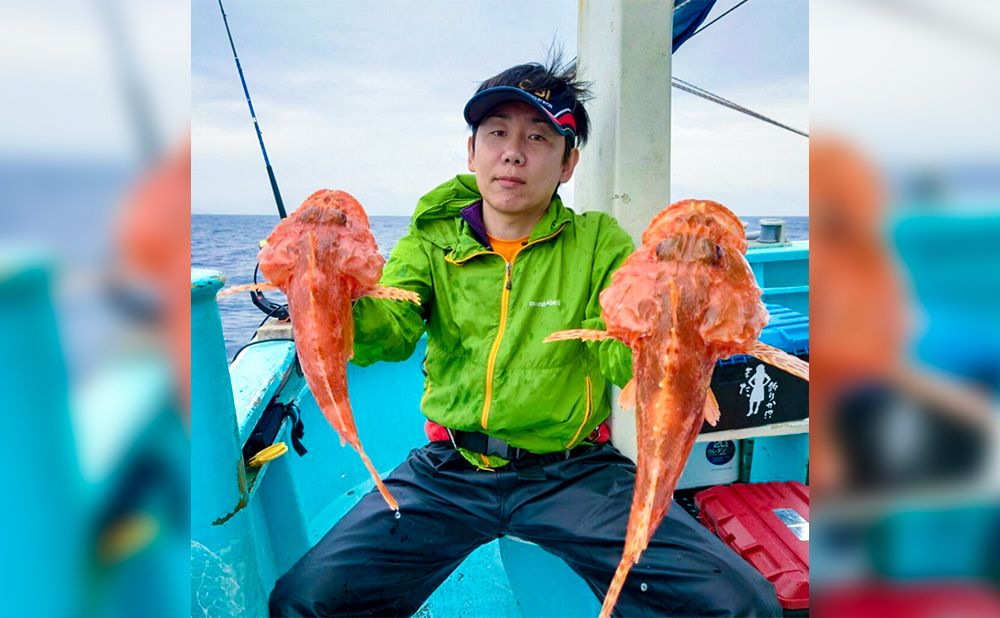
{"x":487,"y":367}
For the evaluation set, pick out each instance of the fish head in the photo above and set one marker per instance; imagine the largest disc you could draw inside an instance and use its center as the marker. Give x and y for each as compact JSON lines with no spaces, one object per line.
{"x":704,"y":219}
{"x":691,"y":267}
{"x":329,"y":229}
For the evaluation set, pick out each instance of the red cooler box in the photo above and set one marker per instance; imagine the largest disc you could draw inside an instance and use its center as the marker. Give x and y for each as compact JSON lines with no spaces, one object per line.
{"x":767,"y":524}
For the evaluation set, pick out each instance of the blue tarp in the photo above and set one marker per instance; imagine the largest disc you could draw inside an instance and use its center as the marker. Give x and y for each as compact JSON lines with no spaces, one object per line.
{"x":688,"y":16}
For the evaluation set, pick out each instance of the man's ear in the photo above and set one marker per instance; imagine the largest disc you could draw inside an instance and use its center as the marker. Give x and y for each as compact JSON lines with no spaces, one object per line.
{"x":472,"y":153}
{"x":569,"y":165}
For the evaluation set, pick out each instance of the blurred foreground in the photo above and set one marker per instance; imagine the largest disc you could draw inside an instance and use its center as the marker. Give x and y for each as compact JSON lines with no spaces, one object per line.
{"x":905,"y":284}
{"x":94,"y":228}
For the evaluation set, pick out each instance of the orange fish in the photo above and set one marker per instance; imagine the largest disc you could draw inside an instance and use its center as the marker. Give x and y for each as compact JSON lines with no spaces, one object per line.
{"x":684,"y":300}
{"x":153,"y":233}
{"x":323,"y":257}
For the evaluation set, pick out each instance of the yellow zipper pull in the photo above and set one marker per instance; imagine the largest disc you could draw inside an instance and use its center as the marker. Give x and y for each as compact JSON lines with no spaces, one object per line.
{"x":509,"y":279}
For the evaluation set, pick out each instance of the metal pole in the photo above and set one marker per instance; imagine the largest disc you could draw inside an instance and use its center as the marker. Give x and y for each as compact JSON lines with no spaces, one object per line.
{"x":624,"y":49}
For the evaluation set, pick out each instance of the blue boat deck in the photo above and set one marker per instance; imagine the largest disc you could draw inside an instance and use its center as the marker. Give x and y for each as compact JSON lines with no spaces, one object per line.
{"x":294,"y":501}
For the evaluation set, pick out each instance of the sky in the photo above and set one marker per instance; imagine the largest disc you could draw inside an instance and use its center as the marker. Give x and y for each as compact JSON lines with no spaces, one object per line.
{"x":922,"y":89}
{"x":368,"y":97}
{"x":62,"y":73}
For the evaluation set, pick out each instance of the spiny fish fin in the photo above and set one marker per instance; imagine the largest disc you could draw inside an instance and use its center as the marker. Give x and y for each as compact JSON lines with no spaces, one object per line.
{"x":249,"y":287}
{"x":394,"y":294}
{"x":782,"y":360}
{"x":585,"y":334}
{"x":627,"y":397}
{"x":712,"y":413}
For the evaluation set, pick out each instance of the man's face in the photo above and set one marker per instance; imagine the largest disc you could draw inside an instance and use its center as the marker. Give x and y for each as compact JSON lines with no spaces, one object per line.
{"x":518,"y":160}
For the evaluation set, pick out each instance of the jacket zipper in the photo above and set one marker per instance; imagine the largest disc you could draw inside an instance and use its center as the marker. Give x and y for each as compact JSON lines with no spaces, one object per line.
{"x":504,"y":300}
{"x":490,"y":363}
{"x":586,"y":414}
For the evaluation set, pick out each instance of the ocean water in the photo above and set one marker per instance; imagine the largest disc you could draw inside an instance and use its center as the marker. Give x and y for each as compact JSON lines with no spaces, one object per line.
{"x":229,"y":243}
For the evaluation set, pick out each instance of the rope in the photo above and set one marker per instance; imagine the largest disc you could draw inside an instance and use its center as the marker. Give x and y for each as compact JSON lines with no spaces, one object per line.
{"x":741,"y":3}
{"x":680,"y":84}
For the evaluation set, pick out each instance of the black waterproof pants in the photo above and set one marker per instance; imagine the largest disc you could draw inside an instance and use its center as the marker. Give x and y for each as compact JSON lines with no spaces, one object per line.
{"x":372,"y":564}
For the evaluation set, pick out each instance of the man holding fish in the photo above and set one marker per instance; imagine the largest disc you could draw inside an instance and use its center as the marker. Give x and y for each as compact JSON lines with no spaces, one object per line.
{"x":519,"y":440}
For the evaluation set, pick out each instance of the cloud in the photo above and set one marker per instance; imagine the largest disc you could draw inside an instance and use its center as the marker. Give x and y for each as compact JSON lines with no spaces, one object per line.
{"x":66,"y":59}
{"x":944,"y":96}
{"x":753,"y":167}
{"x":377,"y":110}
{"x":347,"y":129}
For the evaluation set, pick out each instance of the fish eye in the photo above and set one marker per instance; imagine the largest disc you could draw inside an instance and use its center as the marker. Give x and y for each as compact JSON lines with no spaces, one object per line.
{"x":336,"y":216}
{"x":667,"y":249}
{"x":708,"y":252}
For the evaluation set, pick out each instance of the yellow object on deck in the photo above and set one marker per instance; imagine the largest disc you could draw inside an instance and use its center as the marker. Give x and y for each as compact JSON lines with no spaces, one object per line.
{"x":270,"y":453}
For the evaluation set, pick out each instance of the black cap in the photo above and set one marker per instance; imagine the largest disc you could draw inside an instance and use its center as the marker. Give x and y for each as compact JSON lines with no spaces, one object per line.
{"x":558,"y":109}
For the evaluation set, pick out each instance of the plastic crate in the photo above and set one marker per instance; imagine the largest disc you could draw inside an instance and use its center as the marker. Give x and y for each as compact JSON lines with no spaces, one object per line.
{"x":768,"y":525}
{"x":752,"y":393}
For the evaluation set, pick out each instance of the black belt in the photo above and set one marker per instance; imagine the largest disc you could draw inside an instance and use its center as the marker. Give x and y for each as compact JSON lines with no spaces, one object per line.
{"x":488,"y":445}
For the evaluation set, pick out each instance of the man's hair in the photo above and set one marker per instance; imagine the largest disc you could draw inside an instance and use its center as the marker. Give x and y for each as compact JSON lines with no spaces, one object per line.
{"x":556,"y":76}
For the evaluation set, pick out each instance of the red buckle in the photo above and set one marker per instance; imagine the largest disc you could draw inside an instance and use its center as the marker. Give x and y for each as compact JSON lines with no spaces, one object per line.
{"x":601,"y":434}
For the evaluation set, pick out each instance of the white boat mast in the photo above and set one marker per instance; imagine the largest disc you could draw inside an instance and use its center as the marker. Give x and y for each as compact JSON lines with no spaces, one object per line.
{"x":624,"y":49}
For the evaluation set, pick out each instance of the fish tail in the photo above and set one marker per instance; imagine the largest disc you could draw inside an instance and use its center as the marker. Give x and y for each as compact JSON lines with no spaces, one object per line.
{"x":249,"y":287}
{"x":382,"y":489}
{"x":585,"y":334}
{"x":617,"y":583}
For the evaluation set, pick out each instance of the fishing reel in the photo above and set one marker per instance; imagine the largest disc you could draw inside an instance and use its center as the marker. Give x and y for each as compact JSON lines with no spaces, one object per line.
{"x":271,"y":308}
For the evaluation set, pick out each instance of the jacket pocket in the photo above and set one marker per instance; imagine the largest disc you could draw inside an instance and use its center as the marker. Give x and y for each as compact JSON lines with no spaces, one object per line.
{"x":588,"y":411}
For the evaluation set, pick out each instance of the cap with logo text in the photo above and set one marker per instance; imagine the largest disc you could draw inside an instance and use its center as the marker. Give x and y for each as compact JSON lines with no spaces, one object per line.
{"x":557,"y":108}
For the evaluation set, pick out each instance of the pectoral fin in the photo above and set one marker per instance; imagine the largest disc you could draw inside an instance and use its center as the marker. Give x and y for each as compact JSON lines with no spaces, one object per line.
{"x":585,"y":334}
{"x":712,"y":413}
{"x":394,"y":294}
{"x":249,"y":287}
{"x":627,"y":397}
{"x":782,"y":360}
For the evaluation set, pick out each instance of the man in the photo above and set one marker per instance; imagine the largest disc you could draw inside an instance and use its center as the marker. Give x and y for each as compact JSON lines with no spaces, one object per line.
{"x":518,"y":441}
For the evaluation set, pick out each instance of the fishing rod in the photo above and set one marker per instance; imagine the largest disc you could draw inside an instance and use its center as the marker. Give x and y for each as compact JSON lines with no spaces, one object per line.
{"x":136,"y":97}
{"x":262,"y":303}
{"x":253,"y":117}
